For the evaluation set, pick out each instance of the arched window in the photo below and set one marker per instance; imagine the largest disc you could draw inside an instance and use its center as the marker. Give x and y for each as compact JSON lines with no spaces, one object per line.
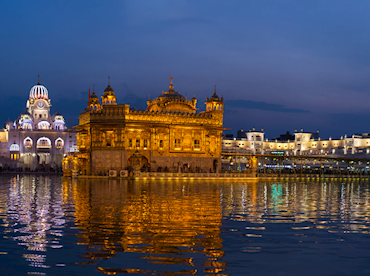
{"x":59,"y":125}
{"x":28,"y":142}
{"x":43,"y":142}
{"x":14,"y":147}
{"x":43,"y":125}
{"x":59,"y":143}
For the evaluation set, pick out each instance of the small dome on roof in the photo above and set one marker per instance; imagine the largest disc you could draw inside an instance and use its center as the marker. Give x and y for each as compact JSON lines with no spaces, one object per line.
{"x":57,"y":113}
{"x":215,"y":97}
{"x":109,"y":89}
{"x":57,"y":116}
{"x":93,"y":96}
{"x":9,"y":124}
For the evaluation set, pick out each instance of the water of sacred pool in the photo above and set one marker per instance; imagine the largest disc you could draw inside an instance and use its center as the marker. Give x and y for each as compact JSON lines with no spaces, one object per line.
{"x":55,"y":226}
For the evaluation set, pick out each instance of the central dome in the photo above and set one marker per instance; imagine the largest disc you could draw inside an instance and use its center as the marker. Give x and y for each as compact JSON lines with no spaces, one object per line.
{"x":39,"y":92}
{"x":172,"y":101}
{"x":172,"y":96}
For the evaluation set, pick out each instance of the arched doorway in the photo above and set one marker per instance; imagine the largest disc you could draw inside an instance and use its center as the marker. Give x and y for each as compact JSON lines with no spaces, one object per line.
{"x":138,"y":161}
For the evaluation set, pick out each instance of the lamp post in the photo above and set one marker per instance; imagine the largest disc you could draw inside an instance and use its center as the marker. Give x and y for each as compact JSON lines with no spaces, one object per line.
{"x":231,"y":164}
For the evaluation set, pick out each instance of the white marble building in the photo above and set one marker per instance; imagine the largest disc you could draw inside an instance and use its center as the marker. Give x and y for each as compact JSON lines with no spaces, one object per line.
{"x":36,"y":139}
{"x":303,"y":144}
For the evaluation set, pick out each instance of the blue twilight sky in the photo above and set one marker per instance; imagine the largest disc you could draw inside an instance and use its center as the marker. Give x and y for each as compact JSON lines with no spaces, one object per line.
{"x":280,"y":65}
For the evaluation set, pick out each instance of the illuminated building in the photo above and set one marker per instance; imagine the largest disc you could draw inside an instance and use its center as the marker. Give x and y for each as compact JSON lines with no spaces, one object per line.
{"x":170,"y":135}
{"x":36,"y":138}
{"x":303,"y":144}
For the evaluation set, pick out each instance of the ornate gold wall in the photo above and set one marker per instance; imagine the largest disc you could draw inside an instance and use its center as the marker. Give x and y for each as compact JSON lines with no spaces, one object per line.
{"x":166,"y":138}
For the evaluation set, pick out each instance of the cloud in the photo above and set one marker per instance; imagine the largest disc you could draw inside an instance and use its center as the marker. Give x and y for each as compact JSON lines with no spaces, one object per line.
{"x":261,"y":106}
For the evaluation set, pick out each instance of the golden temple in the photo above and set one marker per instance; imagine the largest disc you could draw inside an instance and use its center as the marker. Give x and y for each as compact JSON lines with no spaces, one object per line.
{"x":170,"y":136}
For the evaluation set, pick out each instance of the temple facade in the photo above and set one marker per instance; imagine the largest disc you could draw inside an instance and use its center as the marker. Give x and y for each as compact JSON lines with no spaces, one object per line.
{"x":170,"y":135}
{"x":36,"y":139}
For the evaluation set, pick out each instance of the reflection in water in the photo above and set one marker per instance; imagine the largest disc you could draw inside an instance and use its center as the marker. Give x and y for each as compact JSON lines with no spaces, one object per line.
{"x":171,"y":222}
{"x":343,"y":206}
{"x":175,"y":227}
{"x":35,"y":217}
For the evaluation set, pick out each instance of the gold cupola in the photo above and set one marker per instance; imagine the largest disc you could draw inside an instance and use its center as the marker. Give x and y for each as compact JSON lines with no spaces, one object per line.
{"x":109,"y":98}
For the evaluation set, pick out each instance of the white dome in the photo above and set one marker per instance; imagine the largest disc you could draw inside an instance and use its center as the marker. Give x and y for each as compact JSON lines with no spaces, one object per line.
{"x":39,"y":92}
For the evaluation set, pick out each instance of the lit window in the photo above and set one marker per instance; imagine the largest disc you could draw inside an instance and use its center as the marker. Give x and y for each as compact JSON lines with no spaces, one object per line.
{"x":177,"y":144}
{"x":28,"y":143}
{"x":161,"y":143}
{"x":59,"y":143}
{"x":14,"y":147}
{"x":196,"y":144}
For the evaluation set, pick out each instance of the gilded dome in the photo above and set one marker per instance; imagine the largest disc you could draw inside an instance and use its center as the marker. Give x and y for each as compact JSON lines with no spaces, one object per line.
{"x":93,"y":96}
{"x":171,"y":101}
{"x":109,"y":89}
{"x":215,"y":97}
{"x":172,"y":96}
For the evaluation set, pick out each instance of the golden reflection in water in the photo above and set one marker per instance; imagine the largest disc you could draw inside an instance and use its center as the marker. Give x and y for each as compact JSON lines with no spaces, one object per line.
{"x":171,"y":222}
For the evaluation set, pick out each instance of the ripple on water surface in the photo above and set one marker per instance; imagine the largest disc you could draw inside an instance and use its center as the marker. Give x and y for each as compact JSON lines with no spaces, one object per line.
{"x":56,"y":226}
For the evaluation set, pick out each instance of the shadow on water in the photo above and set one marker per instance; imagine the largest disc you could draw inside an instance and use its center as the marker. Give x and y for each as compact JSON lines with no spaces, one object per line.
{"x":56,"y":226}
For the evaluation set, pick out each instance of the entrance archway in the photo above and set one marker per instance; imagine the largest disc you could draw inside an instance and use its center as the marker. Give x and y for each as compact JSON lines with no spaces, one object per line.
{"x":137,"y":160}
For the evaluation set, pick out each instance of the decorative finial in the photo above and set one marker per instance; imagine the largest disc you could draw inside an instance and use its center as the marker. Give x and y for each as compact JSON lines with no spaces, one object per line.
{"x":38,"y":79}
{"x":89,"y":94}
{"x":149,"y":97}
{"x":171,"y":85}
{"x":108,"y":81}
{"x":93,"y":88}
{"x":215,"y":89}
